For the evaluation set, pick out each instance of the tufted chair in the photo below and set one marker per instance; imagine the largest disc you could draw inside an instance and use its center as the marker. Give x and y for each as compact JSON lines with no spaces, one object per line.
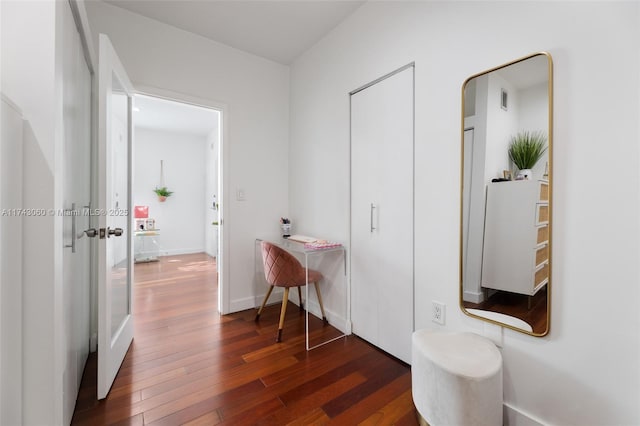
{"x":282,"y":269}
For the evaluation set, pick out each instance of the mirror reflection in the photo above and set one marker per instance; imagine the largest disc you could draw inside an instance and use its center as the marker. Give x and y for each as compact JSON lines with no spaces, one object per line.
{"x":119,"y":198}
{"x":506,"y":205}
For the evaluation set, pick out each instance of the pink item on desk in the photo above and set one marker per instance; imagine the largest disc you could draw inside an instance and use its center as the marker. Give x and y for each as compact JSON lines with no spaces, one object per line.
{"x":321,"y":245}
{"x":141,"y":212}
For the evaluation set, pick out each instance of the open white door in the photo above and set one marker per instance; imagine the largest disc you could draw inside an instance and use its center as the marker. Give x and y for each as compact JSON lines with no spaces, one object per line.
{"x":115,"y":323}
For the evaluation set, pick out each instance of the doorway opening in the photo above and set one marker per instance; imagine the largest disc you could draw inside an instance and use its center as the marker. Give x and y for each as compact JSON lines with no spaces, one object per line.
{"x":177,"y":182}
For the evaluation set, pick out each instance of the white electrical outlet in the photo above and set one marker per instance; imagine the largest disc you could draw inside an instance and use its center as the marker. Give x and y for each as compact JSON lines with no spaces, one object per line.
{"x":438,"y":313}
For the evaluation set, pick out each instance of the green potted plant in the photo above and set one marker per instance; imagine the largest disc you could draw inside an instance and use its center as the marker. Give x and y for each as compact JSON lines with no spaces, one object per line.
{"x":162,"y":193}
{"x":525,"y":149}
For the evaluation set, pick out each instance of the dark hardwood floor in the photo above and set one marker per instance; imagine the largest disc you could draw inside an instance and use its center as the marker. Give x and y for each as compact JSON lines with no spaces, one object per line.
{"x":190,"y":365}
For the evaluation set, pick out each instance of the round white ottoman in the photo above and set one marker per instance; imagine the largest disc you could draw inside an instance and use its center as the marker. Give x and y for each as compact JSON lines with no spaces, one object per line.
{"x":456,"y":378}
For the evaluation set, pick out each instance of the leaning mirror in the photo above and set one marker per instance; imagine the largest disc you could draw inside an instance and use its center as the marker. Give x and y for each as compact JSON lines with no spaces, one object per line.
{"x":505,"y":248}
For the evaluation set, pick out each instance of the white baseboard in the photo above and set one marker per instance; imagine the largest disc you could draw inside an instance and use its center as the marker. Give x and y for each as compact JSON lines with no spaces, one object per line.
{"x":93,"y":342}
{"x":174,"y":252}
{"x":473,"y":297}
{"x":335,"y":319}
{"x":241,"y":304}
{"x":256,"y":301}
{"x":513,"y":416}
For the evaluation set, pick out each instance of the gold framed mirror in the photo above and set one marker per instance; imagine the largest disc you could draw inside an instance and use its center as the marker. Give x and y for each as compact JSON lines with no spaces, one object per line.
{"x":506,"y":186}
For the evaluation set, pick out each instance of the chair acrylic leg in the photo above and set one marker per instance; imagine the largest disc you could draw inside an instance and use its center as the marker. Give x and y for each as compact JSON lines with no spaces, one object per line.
{"x":324,"y":317}
{"x":264,"y":302}
{"x":283,"y":311}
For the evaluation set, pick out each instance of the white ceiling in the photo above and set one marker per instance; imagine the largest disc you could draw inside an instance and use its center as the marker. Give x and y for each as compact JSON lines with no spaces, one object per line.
{"x":161,"y":114}
{"x":276,"y":30}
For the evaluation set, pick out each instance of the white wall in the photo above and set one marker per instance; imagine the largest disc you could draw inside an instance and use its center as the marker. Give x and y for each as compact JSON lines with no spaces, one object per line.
{"x":28,"y":80}
{"x":33,"y":82}
{"x":181,"y":217}
{"x":44,"y":85}
{"x":533,"y":108}
{"x":533,"y":114}
{"x":586,"y":371}
{"x":256,"y":94}
{"x":11,"y":143}
{"x":501,"y":125}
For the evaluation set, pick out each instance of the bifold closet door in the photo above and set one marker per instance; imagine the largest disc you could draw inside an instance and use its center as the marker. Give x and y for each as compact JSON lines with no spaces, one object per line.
{"x":382,"y":123}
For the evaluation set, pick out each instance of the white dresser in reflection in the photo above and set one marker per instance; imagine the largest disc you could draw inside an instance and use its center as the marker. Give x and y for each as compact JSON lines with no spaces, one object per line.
{"x":516,"y":236}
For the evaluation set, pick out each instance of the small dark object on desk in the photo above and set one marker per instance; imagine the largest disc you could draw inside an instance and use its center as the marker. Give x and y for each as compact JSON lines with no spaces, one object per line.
{"x":500,"y":180}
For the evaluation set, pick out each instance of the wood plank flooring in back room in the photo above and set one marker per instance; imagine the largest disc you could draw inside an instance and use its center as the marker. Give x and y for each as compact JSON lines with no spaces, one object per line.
{"x":189,"y":365}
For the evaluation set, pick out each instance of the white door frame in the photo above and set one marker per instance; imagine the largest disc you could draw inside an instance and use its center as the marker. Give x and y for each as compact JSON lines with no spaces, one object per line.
{"x":223,"y":182}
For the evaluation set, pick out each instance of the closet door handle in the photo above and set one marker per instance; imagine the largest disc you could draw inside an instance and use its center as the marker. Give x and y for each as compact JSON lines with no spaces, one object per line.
{"x":373,"y":228}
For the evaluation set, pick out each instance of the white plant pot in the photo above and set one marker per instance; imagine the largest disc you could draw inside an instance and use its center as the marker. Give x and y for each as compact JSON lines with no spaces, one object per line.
{"x":524,"y":174}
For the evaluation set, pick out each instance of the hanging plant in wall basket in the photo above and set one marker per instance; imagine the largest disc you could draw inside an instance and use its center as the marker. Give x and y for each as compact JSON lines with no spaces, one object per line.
{"x":162,"y":193}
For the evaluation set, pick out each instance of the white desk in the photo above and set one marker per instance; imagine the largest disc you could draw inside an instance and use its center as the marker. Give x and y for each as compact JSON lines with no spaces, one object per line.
{"x":142,"y":251}
{"x":299,"y":249}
